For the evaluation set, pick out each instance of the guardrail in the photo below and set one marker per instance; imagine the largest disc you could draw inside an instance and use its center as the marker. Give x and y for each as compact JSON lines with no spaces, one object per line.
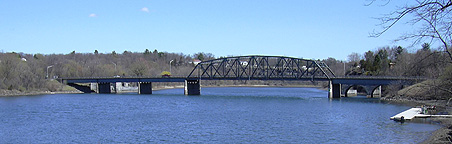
{"x":381,"y":77}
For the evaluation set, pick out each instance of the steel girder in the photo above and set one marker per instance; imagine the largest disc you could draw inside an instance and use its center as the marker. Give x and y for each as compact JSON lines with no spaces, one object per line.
{"x":261,"y":68}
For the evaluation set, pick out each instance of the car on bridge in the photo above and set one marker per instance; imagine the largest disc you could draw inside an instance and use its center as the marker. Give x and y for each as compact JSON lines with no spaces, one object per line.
{"x":166,"y":74}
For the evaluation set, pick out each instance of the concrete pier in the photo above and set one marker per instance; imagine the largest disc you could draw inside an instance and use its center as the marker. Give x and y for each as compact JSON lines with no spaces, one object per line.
{"x":145,"y":88}
{"x":334,"y":90}
{"x":192,"y":87}
{"x":103,"y":88}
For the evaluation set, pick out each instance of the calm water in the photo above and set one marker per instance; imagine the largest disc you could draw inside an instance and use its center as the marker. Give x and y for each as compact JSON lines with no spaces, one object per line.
{"x":220,"y":115}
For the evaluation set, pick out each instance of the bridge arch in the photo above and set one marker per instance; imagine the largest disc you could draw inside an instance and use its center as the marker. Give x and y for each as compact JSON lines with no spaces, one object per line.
{"x":375,"y":89}
{"x":257,"y":67}
{"x":369,"y":89}
{"x":347,"y":88}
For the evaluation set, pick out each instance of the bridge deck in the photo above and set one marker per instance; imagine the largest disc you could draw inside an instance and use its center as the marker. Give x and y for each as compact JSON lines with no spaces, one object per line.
{"x":123,"y":79}
{"x":336,"y":80}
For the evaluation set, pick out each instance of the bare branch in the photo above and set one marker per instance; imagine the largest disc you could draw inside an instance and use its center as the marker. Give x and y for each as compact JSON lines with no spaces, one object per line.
{"x":372,"y":1}
{"x":434,"y":15}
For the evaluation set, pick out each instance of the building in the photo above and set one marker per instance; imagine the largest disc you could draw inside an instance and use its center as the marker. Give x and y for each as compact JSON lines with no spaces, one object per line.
{"x":196,"y":61}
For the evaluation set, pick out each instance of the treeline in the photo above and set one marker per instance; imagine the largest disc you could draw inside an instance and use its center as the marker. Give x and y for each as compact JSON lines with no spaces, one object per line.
{"x":31,"y":72}
{"x":27,"y":72}
{"x":393,"y":61}
{"x":428,"y":63}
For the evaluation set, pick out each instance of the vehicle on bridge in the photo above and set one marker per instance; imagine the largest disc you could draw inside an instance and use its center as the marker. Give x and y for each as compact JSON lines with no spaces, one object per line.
{"x":165,"y":74}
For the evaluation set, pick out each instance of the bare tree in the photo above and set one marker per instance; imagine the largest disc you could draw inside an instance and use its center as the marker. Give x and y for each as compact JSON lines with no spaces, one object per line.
{"x":354,"y":57}
{"x":434,"y":16}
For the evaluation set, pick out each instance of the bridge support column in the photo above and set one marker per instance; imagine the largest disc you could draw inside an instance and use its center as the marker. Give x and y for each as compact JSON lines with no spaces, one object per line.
{"x":192,"y":87}
{"x":334,"y":90}
{"x":93,"y":87}
{"x":103,"y":88}
{"x":145,"y":88}
{"x":344,"y":89}
{"x":118,"y":87}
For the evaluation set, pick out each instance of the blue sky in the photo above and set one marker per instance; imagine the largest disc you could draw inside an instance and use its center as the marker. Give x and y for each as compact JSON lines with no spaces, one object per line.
{"x":306,"y":29}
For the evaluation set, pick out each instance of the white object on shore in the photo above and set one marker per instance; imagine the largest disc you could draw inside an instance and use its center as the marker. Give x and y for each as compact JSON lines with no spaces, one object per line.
{"x":415,"y":113}
{"x":408,"y":114}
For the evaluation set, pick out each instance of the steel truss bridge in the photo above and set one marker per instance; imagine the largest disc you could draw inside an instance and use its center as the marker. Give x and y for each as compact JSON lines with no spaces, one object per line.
{"x":253,"y":67}
{"x":261,"y":68}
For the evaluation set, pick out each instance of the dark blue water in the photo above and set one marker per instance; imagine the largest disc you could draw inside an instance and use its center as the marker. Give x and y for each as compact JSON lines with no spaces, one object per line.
{"x":220,"y":115}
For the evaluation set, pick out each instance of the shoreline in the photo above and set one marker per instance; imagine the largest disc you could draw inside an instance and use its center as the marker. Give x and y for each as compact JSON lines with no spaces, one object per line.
{"x":441,"y":135}
{"x":16,"y":93}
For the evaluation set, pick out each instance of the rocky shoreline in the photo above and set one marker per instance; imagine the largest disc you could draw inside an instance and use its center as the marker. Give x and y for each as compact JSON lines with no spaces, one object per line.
{"x":444,"y":134}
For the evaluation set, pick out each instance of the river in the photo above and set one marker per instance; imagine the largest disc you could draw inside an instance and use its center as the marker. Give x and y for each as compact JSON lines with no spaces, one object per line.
{"x":219,"y":115}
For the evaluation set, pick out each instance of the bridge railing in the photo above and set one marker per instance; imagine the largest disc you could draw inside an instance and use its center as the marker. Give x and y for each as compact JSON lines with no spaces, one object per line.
{"x":125,"y":77}
{"x":319,"y":78}
{"x":383,"y":77}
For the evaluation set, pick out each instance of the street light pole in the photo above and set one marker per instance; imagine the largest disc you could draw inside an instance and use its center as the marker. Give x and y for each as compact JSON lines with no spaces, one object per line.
{"x":47,"y":72}
{"x":344,"y":68}
{"x":170,"y":66}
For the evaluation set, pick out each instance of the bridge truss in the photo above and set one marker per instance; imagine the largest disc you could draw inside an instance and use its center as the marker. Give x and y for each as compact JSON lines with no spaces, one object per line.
{"x":261,"y":68}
